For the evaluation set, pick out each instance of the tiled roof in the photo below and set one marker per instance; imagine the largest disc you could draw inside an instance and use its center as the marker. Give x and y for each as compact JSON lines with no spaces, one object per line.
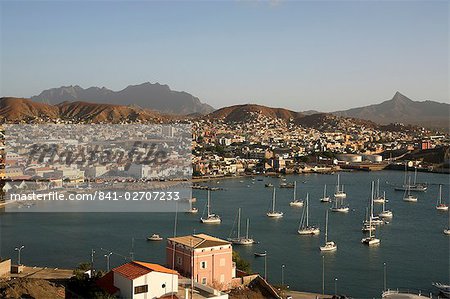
{"x":199,"y":241}
{"x":107,"y":283}
{"x":135,"y":269}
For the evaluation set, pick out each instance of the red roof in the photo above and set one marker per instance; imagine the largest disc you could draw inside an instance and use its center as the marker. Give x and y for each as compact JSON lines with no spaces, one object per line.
{"x":107,"y":283}
{"x":135,"y":269}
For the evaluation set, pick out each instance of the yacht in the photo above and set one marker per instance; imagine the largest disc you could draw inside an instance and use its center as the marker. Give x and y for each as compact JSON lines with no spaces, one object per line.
{"x":304,"y":227}
{"x":211,"y":218}
{"x":447,"y":231}
{"x":385,"y":213}
{"x":155,"y":237}
{"x":329,"y":245}
{"x":420,"y":187}
{"x":192,"y":210}
{"x":408,"y":197}
{"x":272,"y":213}
{"x":339,"y":193}
{"x":325,"y":197}
{"x":268,"y":185}
{"x":296,"y":202}
{"x":339,"y":206}
{"x":440,"y":205}
{"x":370,"y":240}
{"x":241,"y":240}
{"x":378,"y":198}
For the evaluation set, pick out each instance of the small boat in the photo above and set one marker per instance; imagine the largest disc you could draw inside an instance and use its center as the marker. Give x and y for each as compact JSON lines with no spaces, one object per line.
{"x":272,"y":213}
{"x":286,"y":185}
{"x":239,"y":240}
{"x":268,"y":185}
{"x":385,"y":213}
{"x":260,"y":180}
{"x":440,"y":206}
{"x":325,"y":197}
{"x":296,"y":202}
{"x":329,"y":245}
{"x":447,"y":231}
{"x":444,"y":289}
{"x":192,"y":210}
{"x":408,"y":197}
{"x":339,"y":206}
{"x":339,"y":193}
{"x":378,"y":198}
{"x":155,"y":237}
{"x":260,"y":254}
{"x":211,"y":218}
{"x":304,"y":228}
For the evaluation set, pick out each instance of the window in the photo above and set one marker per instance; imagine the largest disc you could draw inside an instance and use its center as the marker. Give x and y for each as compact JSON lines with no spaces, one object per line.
{"x":222,"y":262}
{"x":141,"y":289}
{"x":222,"y":278}
{"x":203,"y":265}
{"x":204,"y":280}
{"x":179,"y":260}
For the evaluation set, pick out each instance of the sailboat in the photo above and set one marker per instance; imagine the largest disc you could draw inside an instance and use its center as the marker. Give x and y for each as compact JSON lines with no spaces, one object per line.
{"x":370,"y":240}
{"x":339,"y":192}
{"x":366,"y":226}
{"x":296,"y":202}
{"x":329,"y":245}
{"x":272,"y":213}
{"x":192,"y":210}
{"x":374,"y":220}
{"x":325,"y":197}
{"x":408,"y":197}
{"x":304,"y":227}
{"x":339,"y":206}
{"x":385,"y":213}
{"x":211,"y":218}
{"x":421,"y":187}
{"x":440,"y":205}
{"x":240,"y":240}
{"x":378,"y":198}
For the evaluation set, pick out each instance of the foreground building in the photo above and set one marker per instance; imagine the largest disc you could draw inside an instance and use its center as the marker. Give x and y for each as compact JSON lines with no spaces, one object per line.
{"x":140,"y":280}
{"x":208,"y":260}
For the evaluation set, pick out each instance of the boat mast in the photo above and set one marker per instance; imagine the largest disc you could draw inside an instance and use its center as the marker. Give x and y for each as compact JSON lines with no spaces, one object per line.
{"x":371,"y":201}
{"x":239,"y":224}
{"x":248,"y":223}
{"x":337,"y":186}
{"x":295,"y":189}
{"x":440,"y":194}
{"x":273,"y":200}
{"x":326,"y":228}
{"x":325,"y":191}
{"x":307,"y":209}
{"x":415,"y":175}
{"x":208,"y":204}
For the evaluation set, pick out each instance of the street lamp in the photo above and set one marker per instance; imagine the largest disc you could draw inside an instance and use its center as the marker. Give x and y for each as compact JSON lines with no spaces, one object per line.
{"x":335,"y":286}
{"x":107,"y":260}
{"x":282,"y":275}
{"x":19,"y":249}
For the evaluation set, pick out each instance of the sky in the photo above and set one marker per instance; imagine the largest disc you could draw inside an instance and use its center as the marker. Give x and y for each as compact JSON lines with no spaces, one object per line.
{"x":301,"y":55}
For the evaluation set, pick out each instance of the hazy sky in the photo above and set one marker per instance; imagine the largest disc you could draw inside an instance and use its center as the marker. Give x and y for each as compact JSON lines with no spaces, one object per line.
{"x":295,"y":54}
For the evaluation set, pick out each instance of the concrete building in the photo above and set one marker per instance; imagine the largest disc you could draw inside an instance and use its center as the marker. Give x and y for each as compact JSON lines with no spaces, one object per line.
{"x":5,"y":268}
{"x":140,"y":280}
{"x":207,"y":259}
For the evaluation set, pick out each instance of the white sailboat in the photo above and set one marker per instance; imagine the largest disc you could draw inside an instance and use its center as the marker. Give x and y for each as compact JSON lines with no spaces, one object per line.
{"x":329,"y":245}
{"x":339,"y":206}
{"x":370,"y":240}
{"x":386,"y":213}
{"x":408,"y":197}
{"x":339,"y":193}
{"x":241,"y":240}
{"x":192,"y":210}
{"x":272,"y":213}
{"x":378,"y":198}
{"x":296,"y":202}
{"x":211,"y":218}
{"x":304,"y":227}
{"x":325,"y":197}
{"x":440,"y":206}
{"x":366,"y":226}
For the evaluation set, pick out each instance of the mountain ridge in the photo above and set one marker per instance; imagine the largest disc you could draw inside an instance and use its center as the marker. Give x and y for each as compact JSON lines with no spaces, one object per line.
{"x":146,"y":95}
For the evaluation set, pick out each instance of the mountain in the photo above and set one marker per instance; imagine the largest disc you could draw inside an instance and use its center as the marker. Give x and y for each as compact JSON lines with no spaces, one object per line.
{"x":19,"y":109}
{"x":401,"y":109}
{"x":250,"y":112}
{"x":147,"y":95}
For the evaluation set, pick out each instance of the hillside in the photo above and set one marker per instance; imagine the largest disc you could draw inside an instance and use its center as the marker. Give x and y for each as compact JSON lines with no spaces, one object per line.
{"x":401,"y":109}
{"x":249,"y":112}
{"x":19,"y":109}
{"x":147,"y":95}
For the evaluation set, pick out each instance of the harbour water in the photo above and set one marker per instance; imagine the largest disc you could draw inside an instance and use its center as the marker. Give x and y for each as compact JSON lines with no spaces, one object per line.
{"x":413,"y":245}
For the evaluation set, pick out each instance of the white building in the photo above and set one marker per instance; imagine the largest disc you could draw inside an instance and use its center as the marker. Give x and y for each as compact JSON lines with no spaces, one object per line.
{"x":140,"y":280}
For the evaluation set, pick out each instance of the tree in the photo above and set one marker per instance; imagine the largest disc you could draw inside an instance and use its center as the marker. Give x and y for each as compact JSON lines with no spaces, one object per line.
{"x":241,"y":264}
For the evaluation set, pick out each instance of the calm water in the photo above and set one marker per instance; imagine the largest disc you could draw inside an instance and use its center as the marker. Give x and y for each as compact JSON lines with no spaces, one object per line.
{"x":412,"y":244}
